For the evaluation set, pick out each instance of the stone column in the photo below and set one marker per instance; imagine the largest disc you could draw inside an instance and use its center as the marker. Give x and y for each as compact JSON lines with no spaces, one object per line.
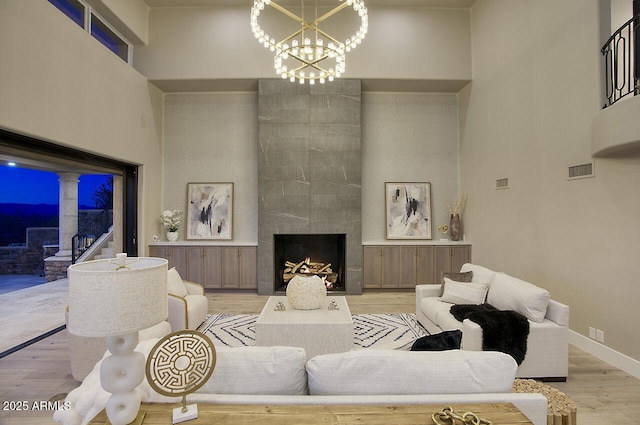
{"x":118,"y":218}
{"x":68,"y":212}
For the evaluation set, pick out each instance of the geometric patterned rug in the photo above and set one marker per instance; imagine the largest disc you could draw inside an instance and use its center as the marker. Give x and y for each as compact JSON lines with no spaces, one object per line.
{"x":393,"y":331}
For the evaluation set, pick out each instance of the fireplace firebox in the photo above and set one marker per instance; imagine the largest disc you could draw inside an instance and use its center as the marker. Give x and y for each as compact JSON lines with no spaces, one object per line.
{"x":323,"y":255}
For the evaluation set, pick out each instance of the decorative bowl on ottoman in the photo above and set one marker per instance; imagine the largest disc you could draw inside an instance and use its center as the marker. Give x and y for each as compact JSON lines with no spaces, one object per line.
{"x":306,"y":292}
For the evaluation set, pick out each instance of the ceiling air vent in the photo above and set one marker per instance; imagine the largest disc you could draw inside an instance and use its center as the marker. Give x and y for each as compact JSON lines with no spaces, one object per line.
{"x":582,"y":171}
{"x":502,"y":184}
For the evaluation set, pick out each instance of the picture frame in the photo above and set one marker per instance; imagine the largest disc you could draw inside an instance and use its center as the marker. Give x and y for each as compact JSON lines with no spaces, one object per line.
{"x":408,"y":210}
{"x":209,"y":211}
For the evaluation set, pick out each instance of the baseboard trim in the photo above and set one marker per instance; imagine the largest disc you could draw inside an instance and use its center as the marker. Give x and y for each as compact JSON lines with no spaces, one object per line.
{"x":606,"y":354}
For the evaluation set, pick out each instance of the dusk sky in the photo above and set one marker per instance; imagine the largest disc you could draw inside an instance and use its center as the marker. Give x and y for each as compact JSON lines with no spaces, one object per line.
{"x":25,"y":186}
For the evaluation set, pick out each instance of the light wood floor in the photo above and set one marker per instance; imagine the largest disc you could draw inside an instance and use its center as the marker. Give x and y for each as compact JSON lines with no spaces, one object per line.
{"x":604,"y":394}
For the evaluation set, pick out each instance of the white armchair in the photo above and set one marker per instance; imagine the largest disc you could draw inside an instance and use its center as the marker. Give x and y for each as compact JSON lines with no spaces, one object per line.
{"x":188,"y":305}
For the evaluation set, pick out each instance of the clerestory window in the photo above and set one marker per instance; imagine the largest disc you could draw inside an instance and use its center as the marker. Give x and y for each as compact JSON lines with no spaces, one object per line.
{"x":94,"y":24}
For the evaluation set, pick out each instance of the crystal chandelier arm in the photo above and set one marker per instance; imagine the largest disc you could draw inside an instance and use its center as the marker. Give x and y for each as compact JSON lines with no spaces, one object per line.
{"x":329,"y":13}
{"x":294,"y":35}
{"x":330,"y":38}
{"x":306,"y":63}
{"x":313,"y":65}
{"x":286,"y":12}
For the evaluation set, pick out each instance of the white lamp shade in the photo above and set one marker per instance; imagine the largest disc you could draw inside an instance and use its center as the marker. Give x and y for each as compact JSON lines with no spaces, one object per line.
{"x":104,"y":301}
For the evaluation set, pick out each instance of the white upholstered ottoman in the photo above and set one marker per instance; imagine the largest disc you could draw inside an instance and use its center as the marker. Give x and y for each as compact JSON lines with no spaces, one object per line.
{"x":320,"y":331}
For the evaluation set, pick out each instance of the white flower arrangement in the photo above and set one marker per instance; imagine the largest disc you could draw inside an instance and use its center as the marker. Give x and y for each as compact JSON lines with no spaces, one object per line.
{"x":171,"y":219}
{"x":459,"y":205}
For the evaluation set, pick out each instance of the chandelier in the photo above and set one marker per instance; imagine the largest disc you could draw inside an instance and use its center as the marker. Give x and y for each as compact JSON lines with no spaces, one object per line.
{"x":310,"y":53}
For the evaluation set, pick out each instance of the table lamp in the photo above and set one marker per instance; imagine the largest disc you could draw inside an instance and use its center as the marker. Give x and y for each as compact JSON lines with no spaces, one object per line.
{"x":116,"y":298}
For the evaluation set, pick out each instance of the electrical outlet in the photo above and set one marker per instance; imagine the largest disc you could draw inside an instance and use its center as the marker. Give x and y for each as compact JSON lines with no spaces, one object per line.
{"x":592,"y":333}
{"x":599,"y":335}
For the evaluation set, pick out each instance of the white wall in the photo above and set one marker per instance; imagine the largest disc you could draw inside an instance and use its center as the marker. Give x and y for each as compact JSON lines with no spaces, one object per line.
{"x":129,"y":17}
{"x":213,"y":137}
{"x":59,"y":84}
{"x":407,"y":137}
{"x":217,"y":43}
{"x":621,"y":12}
{"x":527,"y":117}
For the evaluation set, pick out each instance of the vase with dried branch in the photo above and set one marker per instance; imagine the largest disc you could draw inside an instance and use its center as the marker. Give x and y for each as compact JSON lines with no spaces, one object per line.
{"x":455,"y":222}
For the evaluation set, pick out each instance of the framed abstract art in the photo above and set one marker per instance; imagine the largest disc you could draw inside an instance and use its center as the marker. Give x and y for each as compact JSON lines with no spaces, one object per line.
{"x":408,"y":210}
{"x":209,"y":210}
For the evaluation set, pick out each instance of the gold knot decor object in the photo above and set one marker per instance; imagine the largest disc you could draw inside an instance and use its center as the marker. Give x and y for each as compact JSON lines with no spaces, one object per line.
{"x":179,"y":364}
{"x":447,"y":416}
{"x":443,"y":229}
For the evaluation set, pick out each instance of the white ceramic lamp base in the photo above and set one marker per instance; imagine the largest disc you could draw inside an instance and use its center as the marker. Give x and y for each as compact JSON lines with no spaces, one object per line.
{"x":180,"y":416}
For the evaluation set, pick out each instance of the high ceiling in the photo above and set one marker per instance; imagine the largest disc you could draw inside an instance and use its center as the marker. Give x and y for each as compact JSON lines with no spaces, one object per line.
{"x":248,"y":3}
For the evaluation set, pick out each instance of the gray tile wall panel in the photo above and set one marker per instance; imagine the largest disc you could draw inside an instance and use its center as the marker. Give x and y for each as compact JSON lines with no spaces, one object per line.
{"x":309,"y":175}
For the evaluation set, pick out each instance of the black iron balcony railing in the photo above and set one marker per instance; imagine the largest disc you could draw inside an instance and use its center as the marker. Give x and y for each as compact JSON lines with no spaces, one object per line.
{"x":82,"y":241}
{"x":621,"y":59}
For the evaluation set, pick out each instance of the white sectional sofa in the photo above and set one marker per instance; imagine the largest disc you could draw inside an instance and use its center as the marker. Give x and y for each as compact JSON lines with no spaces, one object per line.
{"x":547,"y":354}
{"x":282,"y":375}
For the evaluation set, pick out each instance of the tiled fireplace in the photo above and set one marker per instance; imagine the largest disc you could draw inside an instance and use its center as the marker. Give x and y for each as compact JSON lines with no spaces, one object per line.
{"x":309,"y":171}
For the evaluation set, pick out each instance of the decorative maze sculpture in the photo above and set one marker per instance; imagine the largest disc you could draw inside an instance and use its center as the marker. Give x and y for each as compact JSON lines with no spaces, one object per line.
{"x":180,"y":363}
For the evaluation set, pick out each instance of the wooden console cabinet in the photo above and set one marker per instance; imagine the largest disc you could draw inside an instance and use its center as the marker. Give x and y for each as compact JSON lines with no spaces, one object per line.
{"x":405,"y":266}
{"x":214,"y":266}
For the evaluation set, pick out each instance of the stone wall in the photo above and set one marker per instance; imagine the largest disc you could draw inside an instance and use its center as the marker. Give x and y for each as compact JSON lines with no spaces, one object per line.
{"x":56,"y":268}
{"x":309,"y":170}
{"x":21,"y":260}
{"x":29,"y":258}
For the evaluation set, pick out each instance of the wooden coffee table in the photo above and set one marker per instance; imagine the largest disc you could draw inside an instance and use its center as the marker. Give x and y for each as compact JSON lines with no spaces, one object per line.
{"x":320,"y":331}
{"x":232,"y":414}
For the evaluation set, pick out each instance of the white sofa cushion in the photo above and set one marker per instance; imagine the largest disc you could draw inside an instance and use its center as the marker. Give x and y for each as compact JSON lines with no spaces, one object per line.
{"x":510,"y":293}
{"x":447,"y":322}
{"x":480,"y":274}
{"x":439,"y":312}
{"x":258,"y":370}
{"x":175,"y":285}
{"x":432,"y":306}
{"x":464,"y":293}
{"x":456,"y":276}
{"x":370,"y":371}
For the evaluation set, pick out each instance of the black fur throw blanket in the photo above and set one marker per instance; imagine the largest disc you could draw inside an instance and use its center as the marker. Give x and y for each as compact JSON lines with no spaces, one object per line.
{"x":502,"y":330}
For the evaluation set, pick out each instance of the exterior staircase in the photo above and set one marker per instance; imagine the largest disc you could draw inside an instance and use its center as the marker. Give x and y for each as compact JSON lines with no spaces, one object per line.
{"x":101,"y":249}
{"x":105,"y":252}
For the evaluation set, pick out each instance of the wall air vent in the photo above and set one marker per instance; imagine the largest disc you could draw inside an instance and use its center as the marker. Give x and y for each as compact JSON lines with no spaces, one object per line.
{"x":502,"y":184}
{"x":582,"y":171}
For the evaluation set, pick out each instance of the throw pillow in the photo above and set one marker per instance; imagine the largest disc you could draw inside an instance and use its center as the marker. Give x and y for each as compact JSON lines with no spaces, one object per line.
{"x":510,"y":293}
{"x":447,"y":340}
{"x":457,"y":276}
{"x":464,"y":293}
{"x":480,"y":274}
{"x":175,"y":285}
